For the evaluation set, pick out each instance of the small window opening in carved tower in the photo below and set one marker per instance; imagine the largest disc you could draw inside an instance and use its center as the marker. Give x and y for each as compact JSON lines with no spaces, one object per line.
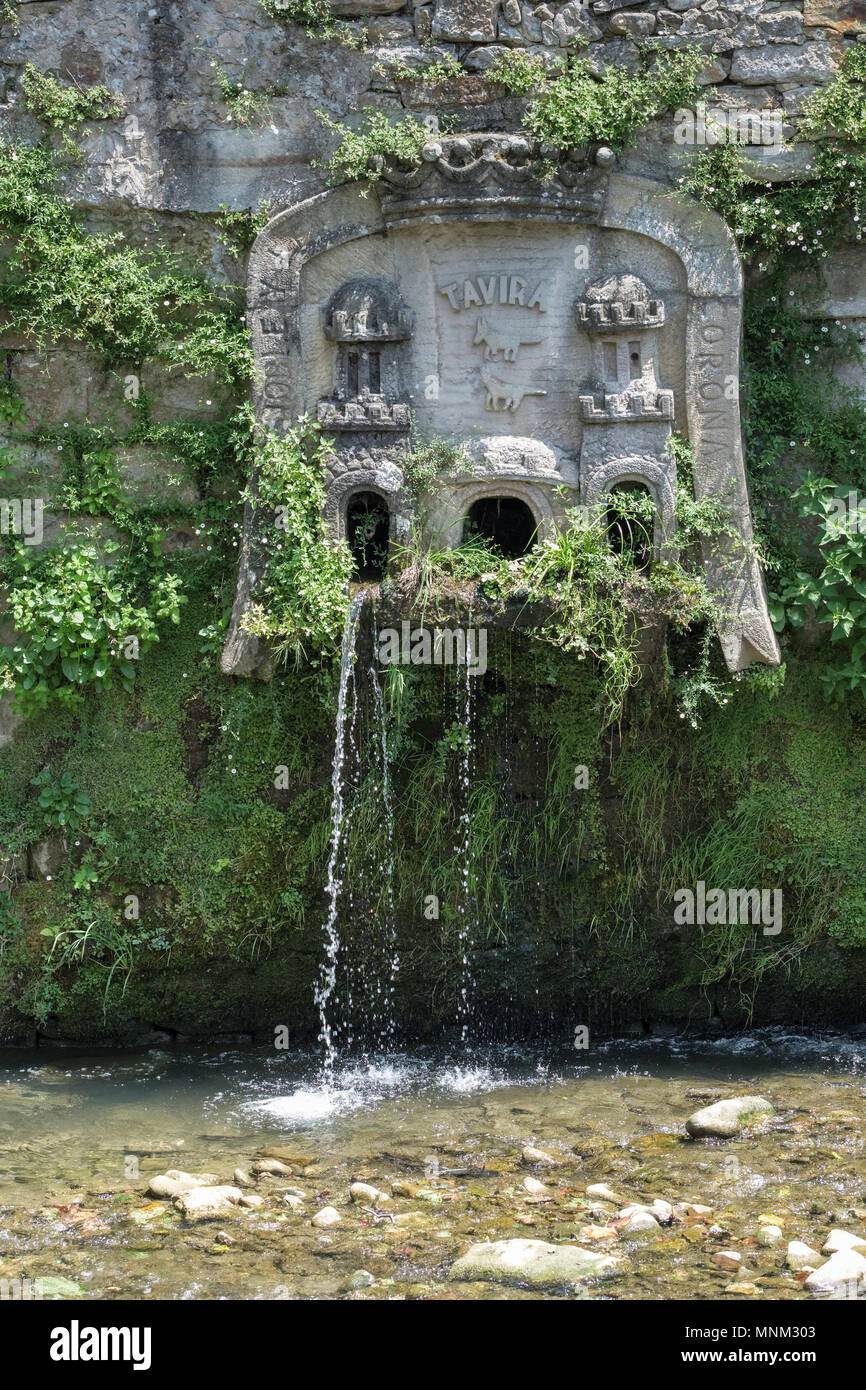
{"x":375,"y":373}
{"x":610,"y":367}
{"x":505,"y":522}
{"x":367,"y":533}
{"x":634,"y":359}
{"x":630,"y":522}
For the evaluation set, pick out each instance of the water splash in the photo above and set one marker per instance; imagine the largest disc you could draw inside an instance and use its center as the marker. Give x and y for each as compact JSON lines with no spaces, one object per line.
{"x":328,"y":976}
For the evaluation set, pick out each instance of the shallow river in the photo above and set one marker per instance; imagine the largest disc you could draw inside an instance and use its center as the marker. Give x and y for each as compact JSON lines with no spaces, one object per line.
{"x":83,"y":1134}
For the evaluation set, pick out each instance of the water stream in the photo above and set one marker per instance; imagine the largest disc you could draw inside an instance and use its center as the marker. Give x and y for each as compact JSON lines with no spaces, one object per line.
{"x":83,"y":1135}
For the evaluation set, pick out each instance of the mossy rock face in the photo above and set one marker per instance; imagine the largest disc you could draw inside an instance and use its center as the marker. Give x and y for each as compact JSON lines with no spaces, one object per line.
{"x":572,"y":909}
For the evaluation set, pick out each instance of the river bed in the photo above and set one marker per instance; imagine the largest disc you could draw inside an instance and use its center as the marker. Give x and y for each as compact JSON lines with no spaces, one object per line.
{"x":442,"y":1136}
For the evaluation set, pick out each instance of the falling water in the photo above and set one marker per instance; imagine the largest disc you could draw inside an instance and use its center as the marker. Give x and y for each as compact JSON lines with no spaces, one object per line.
{"x":463,"y":849}
{"x":385,"y":1020}
{"x":328,"y":976}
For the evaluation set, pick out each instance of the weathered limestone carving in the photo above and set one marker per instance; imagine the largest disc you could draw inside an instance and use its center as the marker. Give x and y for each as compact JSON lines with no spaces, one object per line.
{"x":493,"y":297}
{"x":366,"y":320}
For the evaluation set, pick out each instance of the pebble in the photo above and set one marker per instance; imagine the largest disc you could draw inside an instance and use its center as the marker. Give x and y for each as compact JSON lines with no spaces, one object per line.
{"x":208,"y":1201}
{"x":845,"y":1270}
{"x":272,"y":1167}
{"x":296,"y":1203}
{"x":727,"y":1259}
{"x":533,"y":1185}
{"x":531,"y":1155}
{"x":328,"y":1216}
{"x":770,"y":1235}
{"x":363,"y":1192}
{"x":241,"y":1178}
{"x":603,"y":1193}
{"x":801,"y":1256}
{"x":641,"y":1223}
{"x":249,"y":1199}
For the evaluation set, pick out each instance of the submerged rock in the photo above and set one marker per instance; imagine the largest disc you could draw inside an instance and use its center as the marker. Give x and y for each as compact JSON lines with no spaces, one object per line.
{"x":727,"y":1117}
{"x":601,"y":1191}
{"x":533,"y":1262}
{"x":271,"y":1167}
{"x":770,"y":1235}
{"x":531,"y":1155}
{"x":533,"y":1186}
{"x":640,"y":1223}
{"x":364,"y":1192}
{"x":175,"y":1183}
{"x":328,"y":1216}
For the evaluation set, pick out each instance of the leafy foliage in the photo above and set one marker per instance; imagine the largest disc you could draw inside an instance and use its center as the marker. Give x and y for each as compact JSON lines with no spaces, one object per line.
{"x":577,"y":106}
{"x":301,"y":603}
{"x":62,"y":281}
{"x":74,"y":619}
{"x":61,"y":800}
{"x":361,"y":153}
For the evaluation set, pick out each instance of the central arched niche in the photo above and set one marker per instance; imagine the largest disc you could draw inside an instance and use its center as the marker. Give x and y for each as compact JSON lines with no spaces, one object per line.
{"x":559,"y":330}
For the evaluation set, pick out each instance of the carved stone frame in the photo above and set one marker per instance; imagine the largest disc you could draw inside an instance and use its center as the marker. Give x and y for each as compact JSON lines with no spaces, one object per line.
{"x":698,"y":237}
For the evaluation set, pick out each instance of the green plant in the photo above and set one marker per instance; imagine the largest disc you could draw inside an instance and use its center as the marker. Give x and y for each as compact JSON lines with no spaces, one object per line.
{"x":61,"y":801}
{"x":836,"y":593}
{"x":840,"y":108}
{"x":64,"y":107}
{"x":518,"y":70}
{"x":237,"y":230}
{"x":362,"y":153}
{"x":79,"y":624}
{"x":59,"y":280}
{"x":245,"y":105}
{"x":427,"y":462}
{"x":314,"y":16}
{"x":578,"y":106}
{"x":440,"y":70}
{"x":302,"y":600}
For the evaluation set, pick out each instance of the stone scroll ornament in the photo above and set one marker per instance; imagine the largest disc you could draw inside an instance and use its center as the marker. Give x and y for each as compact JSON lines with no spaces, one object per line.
{"x":374,"y":326}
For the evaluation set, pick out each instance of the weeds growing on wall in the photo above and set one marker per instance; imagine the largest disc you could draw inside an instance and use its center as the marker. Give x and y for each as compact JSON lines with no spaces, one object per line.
{"x":362,"y":153}
{"x":66,"y":106}
{"x":301,"y":603}
{"x":130,"y":305}
{"x":799,"y":421}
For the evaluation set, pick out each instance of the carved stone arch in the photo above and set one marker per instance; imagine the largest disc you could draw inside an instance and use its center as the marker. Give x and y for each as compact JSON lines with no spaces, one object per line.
{"x":535,"y":498}
{"x":651,"y":474}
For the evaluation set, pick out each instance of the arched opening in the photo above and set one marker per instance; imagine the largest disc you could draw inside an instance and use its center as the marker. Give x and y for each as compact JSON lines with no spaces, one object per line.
{"x":506,"y":522}
{"x":367,"y":533}
{"x":630,"y":522}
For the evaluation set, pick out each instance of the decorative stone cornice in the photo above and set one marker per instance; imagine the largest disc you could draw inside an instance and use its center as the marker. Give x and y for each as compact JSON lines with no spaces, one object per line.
{"x":498,"y":163}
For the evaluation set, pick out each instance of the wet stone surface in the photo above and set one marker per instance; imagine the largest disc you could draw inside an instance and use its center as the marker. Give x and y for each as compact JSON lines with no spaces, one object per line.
{"x":440,"y":1155}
